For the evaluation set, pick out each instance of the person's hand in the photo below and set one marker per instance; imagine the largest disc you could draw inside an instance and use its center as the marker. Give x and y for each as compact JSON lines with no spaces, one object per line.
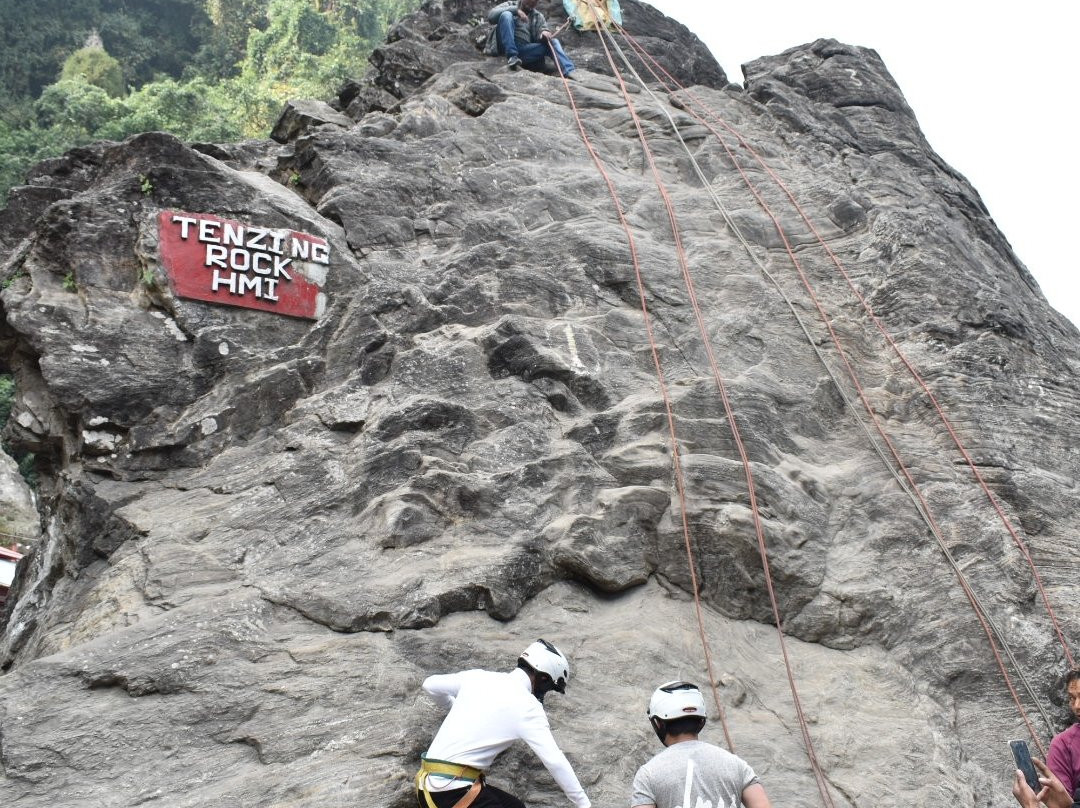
{"x":522,"y":15}
{"x":1053,"y":794}
{"x":545,"y":34}
{"x":1023,"y":793}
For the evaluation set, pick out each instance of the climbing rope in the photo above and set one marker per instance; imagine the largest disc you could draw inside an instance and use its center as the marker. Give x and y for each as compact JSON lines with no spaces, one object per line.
{"x":664,"y":394}
{"x":729,"y":412}
{"x":911,"y":489}
{"x":939,"y":410}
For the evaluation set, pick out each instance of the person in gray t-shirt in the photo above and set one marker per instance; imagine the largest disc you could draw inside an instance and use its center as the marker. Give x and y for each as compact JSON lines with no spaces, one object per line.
{"x":690,"y":773}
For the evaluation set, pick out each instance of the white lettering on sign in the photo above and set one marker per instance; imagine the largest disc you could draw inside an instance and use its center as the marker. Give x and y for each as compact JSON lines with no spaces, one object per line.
{"x":262,"y":288}
{"x":249,"y":260}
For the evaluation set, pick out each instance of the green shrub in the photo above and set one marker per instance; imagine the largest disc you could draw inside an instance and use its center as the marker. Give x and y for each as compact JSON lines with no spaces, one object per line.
{"x":94,"y":66}
{"x":7,"y":396}
{"x":253,"y":56}
{"x":76,"y":108}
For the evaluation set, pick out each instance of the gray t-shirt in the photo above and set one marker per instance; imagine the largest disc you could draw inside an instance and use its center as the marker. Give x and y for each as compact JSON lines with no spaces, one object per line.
{"x":693,"y":774}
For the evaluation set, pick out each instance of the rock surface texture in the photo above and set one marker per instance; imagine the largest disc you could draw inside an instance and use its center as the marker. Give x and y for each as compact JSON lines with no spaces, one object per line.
{"x":260,"y":533}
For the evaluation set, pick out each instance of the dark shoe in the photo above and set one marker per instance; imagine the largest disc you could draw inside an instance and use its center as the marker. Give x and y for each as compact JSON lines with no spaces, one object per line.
{"x":513,"y":62}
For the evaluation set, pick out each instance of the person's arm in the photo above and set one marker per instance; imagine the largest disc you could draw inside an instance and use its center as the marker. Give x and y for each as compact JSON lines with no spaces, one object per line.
{"x":443,"y":688}
{"x":1052,"y":794}
{"x":536,"y":732}
{"x":493,"y":15}
{"x":1059,"y":762}
{"x":545,"y":29}
{"x":642,"y":796}
{"x":754,"y":796}
{"x":1023,"y":793}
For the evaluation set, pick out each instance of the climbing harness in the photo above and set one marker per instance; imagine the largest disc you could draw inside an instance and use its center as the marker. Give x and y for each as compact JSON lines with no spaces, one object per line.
{"x":450,"y":770}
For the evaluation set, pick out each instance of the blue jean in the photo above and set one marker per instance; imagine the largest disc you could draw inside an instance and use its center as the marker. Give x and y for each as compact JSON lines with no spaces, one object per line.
{"x":531,"y":55}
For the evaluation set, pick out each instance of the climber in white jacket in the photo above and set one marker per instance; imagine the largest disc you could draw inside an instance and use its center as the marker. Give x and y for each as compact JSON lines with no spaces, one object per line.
{"x":488,"y":712}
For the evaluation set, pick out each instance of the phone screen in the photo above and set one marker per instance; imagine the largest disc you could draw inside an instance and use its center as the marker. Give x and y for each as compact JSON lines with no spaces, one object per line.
{"x":1022,"y":756}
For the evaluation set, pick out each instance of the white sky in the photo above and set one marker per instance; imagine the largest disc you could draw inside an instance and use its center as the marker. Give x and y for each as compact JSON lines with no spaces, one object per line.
{"x":995,"y":87}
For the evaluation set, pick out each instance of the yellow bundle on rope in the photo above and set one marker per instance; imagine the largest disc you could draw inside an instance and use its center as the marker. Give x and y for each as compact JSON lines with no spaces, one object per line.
{"x":588,"y":15}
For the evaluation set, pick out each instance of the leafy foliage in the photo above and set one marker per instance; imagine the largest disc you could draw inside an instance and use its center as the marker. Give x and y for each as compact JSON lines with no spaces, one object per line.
{"x":204,"y":70}
{"x":94,"y":66}
{"x":23,"y":142}
{"x":7,"y":395}
{"x":25,"y":460}
{"x":226,"y":44}
{"x":194,"y":110}
{"x":76,"y":109}
{"x":148,"y":38}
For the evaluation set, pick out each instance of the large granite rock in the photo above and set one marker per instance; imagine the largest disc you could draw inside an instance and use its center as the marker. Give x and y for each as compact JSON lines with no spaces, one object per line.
{"x":262,"y":532}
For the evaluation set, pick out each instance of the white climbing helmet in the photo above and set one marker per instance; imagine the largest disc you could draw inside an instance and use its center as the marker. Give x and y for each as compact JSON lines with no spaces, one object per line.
{"x":676,"y":700}
{"x":544,"y":657}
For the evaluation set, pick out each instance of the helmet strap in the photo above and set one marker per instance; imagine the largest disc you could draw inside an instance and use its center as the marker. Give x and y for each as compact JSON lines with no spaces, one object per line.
{"x":542,"y":685}
{"x":658,"y":728}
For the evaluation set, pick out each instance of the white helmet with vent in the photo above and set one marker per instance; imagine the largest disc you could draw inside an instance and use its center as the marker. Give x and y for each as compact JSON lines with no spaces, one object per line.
{"x":676,"y":700}
{"x":543,"y":657}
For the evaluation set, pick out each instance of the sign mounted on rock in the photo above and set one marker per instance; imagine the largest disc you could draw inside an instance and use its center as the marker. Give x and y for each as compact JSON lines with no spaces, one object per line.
{"x":223,"y":261}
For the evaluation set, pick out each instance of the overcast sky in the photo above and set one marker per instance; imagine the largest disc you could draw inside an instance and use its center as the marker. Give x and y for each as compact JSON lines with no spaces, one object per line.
{"x":994,"y":86}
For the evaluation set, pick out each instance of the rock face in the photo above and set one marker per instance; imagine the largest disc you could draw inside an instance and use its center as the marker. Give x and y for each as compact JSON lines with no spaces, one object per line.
{"x":18,"y":515}
{"x":261,"y":532}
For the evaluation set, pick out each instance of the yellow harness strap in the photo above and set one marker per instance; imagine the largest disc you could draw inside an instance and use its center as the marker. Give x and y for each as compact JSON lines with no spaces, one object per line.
{"x":455,"y":770}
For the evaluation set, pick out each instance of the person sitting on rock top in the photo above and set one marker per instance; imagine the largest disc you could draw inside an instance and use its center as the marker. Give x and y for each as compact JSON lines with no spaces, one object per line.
{"x":522,"y":34}
{"x":691,"y":772}
{"x":488,"y":712}
{"x":1064,"y":756}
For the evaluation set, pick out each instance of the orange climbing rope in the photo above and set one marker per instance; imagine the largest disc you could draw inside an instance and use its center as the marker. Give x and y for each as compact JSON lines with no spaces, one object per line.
{"x":729,"y":412}
{"x":939,"y":410}
{"x":924,"y":506}
{"x":665,"y":396}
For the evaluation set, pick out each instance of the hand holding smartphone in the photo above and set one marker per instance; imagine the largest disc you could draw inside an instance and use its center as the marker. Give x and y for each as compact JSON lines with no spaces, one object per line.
{"x":1022,"y":757}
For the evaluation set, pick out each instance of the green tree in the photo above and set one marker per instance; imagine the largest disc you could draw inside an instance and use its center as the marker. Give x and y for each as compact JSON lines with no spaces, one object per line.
{"x":368,"y":19}
{"x":225,"y":46}
{"x":25,"y":460}
{"x":94,"y":66}
{"x":23,"y":146}
{"x":7,"y":395}
{"x":153,"y":38}
{"x":283,"y":61}
{"x":193,"y":110}
{"x":296,"y":32}
{"x":35,"y":40}
{"x":77,"y":109}
{"x":148,"y":37}
{"x":305,"y":53}
{"x":270,"y":51}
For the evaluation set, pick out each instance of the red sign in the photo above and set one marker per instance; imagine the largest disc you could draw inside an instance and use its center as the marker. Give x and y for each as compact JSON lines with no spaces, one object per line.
{"x":225,"y":261}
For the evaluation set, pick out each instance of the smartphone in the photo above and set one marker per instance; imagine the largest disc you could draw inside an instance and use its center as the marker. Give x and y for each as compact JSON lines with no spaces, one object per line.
{"x":1022,"y":756}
